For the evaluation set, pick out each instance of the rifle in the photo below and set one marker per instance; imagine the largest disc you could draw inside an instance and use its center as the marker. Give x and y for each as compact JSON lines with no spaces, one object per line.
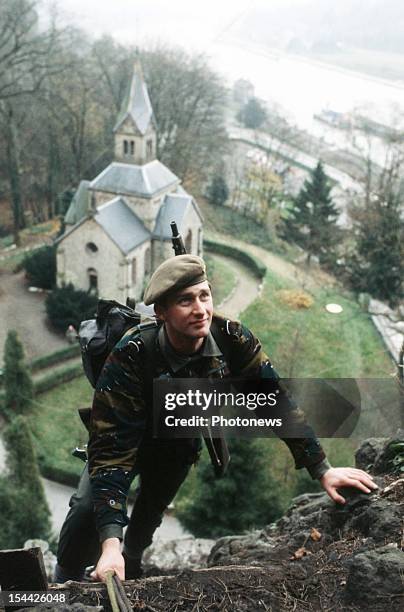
{"x":217,"y":447}
{"x":176,"y":239}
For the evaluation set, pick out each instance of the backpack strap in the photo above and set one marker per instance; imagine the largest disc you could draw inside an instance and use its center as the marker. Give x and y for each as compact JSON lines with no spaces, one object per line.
{"x":224,"y":331}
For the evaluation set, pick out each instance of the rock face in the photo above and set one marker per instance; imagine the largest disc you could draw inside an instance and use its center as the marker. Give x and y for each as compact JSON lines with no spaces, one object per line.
{"x":318,"y":556}
{"x":374,"y":572}
{"x":353,"y":552}
{"x":179,"y":554}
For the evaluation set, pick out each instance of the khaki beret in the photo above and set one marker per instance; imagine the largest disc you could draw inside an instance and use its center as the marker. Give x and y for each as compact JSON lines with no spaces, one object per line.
{"x":173,"y":274}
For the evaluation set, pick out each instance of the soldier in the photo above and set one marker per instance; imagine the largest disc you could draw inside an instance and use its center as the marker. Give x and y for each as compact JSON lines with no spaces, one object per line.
{"x":190,"y":342}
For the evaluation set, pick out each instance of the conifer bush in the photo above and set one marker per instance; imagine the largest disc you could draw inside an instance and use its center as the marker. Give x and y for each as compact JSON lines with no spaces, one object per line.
{"x":69,"y":306}
{"x":24,"y":512}
{"x":17,"y":380}
{"x":40,"y":267}
{"x":244,"y":498}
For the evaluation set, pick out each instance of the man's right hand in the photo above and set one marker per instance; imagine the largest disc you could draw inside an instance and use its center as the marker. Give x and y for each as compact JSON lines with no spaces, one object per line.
{"x":111,"y":559}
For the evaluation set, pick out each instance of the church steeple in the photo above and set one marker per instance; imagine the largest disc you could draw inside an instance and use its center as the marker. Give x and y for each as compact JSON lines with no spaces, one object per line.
{"x":135,"y":129}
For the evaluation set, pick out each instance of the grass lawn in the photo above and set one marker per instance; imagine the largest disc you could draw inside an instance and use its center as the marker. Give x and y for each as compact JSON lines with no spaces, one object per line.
{"x":221,"y":277}
{"x":56,"y":425}
{"x":310,"y":342}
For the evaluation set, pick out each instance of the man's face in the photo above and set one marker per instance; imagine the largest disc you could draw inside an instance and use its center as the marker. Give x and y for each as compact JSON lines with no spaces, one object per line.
{"x":188,"y":313}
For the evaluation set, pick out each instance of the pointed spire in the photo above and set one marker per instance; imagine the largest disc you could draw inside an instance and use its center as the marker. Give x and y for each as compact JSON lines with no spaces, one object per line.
{"x":136,"y":104}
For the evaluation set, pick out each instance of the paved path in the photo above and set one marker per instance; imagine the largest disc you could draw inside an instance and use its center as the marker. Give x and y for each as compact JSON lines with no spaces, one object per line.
{"x":25,"y":312}
{"x":296,"y":272}
{"x":245,"y":291}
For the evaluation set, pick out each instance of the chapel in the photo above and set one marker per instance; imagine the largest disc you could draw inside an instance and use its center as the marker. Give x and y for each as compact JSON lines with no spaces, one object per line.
{"x":118,"y":224}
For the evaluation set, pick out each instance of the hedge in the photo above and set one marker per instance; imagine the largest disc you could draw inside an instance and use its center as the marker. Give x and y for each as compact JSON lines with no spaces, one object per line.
{"x":65,"y":477}
{"x":56,"y":378}
{"x":256,"y":267}
{"x":58,"y":356}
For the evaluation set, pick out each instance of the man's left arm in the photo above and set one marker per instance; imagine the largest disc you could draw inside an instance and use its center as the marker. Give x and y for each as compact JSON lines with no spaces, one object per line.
{"x":250,"y":361}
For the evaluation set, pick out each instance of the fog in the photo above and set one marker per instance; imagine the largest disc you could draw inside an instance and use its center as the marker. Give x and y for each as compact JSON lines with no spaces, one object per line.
{"x":371,"y":24}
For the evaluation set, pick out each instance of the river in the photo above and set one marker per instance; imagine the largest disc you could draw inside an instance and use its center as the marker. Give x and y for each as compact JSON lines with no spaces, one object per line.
{"x":304,"y":87}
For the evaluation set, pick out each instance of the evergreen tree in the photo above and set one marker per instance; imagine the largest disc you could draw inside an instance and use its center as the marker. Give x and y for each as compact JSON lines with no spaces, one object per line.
{"x":69,"y":306}
{"x":24,"y":512}
{"x":253,"y":114}
{"x":313,"y":218}
{"x":243,"y":499}
{"x":217,"y":192}
{"x":17,"y":379}
{"x":377,"y":264}
{"x":40,"y":267}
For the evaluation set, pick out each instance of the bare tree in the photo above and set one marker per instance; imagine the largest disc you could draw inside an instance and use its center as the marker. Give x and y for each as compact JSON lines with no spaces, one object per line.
{"x":28,"y":55}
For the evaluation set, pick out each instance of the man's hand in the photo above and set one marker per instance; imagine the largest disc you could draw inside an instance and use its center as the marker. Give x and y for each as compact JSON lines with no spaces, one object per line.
{"x":335,"y":478}
{"x":111,"y":559}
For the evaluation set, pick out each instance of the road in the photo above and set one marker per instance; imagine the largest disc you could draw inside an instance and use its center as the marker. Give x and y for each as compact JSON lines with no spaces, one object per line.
{"x":346,"y":184}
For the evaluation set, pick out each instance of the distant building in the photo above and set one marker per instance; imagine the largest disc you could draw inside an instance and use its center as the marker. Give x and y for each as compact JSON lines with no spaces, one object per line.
{"x":243,"y":91}
{"x":118,"y":224}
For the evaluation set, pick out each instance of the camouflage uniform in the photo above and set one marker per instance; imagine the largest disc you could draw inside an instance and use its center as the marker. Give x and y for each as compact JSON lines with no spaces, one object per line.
{"x":121,"y":445}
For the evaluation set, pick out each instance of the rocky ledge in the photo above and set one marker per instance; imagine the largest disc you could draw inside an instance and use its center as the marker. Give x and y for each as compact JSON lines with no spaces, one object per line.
{"x":318,"y":556}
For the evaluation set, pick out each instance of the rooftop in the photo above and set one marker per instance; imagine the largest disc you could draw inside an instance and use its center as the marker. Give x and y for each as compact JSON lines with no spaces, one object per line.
{"x":121,"y":224}
{"x":143,"y":181}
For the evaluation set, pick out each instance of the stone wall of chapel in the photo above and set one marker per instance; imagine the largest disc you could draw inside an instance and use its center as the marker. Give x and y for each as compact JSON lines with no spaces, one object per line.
{"x":135,"y":290}
{"x":75,"y":258}
{"x":192,"y":221}
{"x":139,"y":149}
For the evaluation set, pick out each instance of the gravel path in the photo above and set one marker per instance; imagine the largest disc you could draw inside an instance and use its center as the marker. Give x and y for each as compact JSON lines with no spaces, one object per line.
{"x":25,"y":312}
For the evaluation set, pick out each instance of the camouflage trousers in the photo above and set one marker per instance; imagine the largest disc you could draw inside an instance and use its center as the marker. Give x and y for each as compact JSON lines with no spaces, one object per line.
{"x":162,"y":469}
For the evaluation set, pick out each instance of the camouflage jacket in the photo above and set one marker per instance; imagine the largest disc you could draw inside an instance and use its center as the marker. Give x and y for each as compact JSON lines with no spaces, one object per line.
{"x":121,"y":411}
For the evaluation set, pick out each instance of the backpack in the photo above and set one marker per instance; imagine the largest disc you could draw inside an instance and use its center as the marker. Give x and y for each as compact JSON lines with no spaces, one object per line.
{"x":97,"y":337}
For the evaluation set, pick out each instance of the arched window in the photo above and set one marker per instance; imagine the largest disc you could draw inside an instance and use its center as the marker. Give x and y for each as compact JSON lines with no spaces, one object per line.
{"x":132,"y":147}
{"x":188,"y":242}
{"x":134,"y":273}
{"x":91,"y":248}
{"x":147,"y":261}
{"x":125,"y":147}
{"x":92,"y":280}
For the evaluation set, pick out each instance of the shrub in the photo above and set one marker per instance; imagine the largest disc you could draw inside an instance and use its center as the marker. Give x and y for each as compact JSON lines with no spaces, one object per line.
{"x":17,"y":380}
{"x":217,"y":192}
{"x":24,"y":511}
{"x":245,"y":498}
{"x":69,"y":306}
{"x":40,"y":267}
{"x":54,"y":358}
{"x":57,"y":378}
{"x":256,"y":267}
